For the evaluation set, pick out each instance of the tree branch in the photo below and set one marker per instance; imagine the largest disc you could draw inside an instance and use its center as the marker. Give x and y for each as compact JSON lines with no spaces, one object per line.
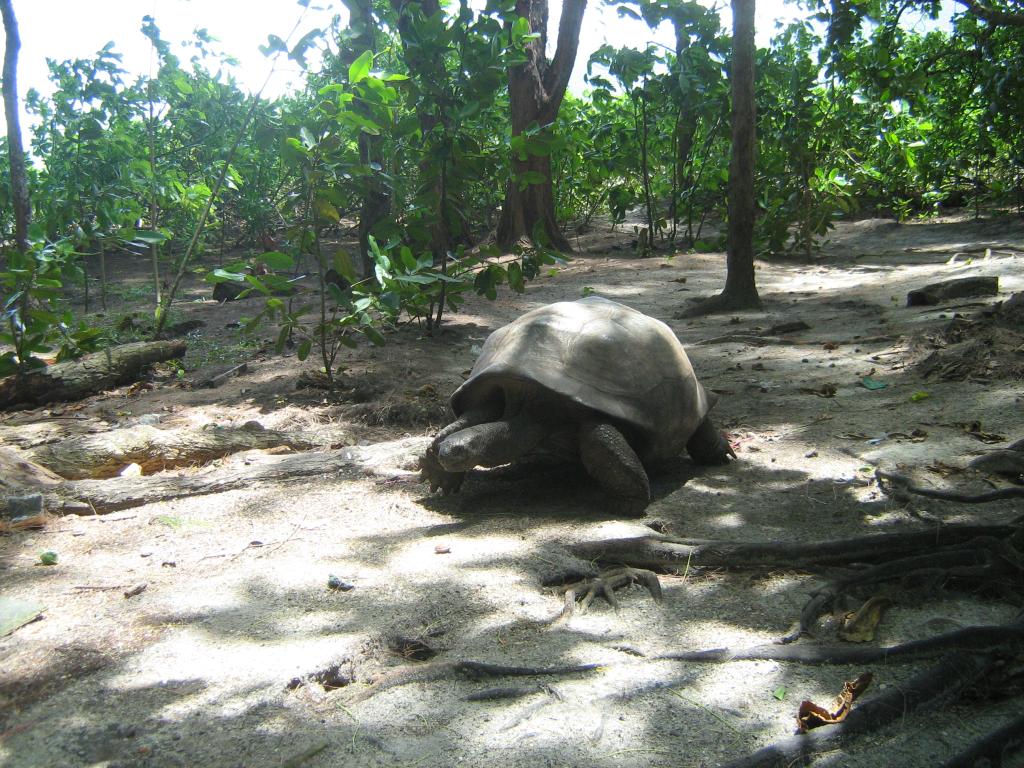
{"x":556,"y":79}
{"x":992,"y":15}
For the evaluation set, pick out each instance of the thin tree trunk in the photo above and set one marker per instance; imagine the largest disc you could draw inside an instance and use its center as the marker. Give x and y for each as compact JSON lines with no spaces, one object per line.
{"x":15,"y":149}
{"x":646,"y":244}
{"x":103,"y":275}
{"x":376,"y":203}
{"x":536,"y":90}
{"x":154,"y":207}
{"x":426,"y":69}
{"x":740,"y":289}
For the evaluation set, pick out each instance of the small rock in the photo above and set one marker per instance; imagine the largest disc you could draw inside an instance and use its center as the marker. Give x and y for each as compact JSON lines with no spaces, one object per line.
{"x":333,"y":582}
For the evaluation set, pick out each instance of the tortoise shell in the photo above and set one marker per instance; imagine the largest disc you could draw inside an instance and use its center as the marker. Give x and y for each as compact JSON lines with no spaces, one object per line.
{"x":604,"y":356}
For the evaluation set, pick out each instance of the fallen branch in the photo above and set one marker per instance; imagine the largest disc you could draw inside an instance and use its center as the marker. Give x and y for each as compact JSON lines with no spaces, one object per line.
{"x":472,"y":670}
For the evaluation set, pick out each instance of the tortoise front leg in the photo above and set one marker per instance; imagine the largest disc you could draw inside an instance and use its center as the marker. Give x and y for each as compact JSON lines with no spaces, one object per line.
{"x":612,"y":462}
{"x":707,"y":446}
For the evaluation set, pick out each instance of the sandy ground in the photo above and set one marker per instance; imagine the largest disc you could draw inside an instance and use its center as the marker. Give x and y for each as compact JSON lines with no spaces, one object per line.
{"x":198,"y":669}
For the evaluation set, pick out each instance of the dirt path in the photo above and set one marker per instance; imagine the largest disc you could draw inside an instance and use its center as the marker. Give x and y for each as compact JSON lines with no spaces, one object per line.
{"x":198,"y":669}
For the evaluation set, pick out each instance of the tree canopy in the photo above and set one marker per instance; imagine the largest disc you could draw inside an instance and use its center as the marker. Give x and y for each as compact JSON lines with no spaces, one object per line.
{"x":438,"y":131}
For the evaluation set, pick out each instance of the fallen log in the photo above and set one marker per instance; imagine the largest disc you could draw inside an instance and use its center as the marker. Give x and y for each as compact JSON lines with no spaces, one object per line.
{"x":959,"y":288}
{"x":20,"y":475}
{"x":75,"y":379}
{"x":107,"y":453}
{"x":87,"y":497}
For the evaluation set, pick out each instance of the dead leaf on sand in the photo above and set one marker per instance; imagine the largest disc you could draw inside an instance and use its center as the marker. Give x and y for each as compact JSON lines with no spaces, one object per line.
{"x":860,"y":625}
{"x":810,"y":715}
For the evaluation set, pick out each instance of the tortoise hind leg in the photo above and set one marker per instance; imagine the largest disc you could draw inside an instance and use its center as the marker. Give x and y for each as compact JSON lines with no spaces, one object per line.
{"x":707,"y":446}
{"x":610,"y":460}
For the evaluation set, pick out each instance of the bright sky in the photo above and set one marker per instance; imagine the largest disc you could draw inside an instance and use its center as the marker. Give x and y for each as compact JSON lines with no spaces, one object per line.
{"x":67,"y":29}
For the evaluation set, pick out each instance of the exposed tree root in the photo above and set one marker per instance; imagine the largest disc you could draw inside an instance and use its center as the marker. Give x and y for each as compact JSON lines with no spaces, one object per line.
{"x":659,"y":552}
{"x":473,"y":670}
{"x":973,"y":639}
{"x":945,"y":681}
{"x":976,"y":558}
{"x":723,"y":302}
{"x":991,"y":749}
{"x":984,"y":563}
{"x":605,"y":586}
{"x":899,"y":484}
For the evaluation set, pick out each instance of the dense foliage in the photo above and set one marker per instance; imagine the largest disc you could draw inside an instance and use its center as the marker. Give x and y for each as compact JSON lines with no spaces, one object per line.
{"x":402,"y":138}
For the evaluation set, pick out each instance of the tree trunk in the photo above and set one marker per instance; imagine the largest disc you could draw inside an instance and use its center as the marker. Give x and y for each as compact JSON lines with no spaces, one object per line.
{"x":685,"y":131}
{"x":740,"y":291}
{"x":536,"y":90}
{"x":15,"y":149}
{"x":376,"y":203}
{"x":92,"y":373}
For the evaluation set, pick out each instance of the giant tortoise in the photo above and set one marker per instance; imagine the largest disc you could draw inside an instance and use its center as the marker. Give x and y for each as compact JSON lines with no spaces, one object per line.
{"x":590,"y":379}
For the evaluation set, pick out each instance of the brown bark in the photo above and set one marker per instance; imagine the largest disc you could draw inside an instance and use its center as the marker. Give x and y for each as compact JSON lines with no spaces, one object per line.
{"x":75,"y":379}
{"x":107,"y":453}
{"x":15,"y":148}
{"x":994,"y":16}
{"x":536,"y":90}
{"x":740,"y":290}
{"x":19,"y":475}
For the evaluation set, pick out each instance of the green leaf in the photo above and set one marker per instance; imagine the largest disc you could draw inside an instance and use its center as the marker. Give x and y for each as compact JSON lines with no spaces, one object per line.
{"x":917,"y":397}
{"x":515,"y":278}
{"x":327,"y":211}
{"x":149,"y":238}
{"x":373,"y":335}
{"x":780,"y":693}
{"x":277,"y":261}
{"x":303,"y":351}
{"x":222,"y":275}
{"x":274,"y":45}
{"x":49,"y":557}
{"x":408,"y":260}
{"x":359,"y":69}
